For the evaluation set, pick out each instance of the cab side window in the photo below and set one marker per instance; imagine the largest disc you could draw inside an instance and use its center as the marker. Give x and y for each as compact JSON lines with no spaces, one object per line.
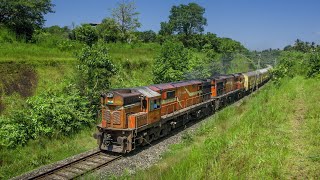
{"x":154,"y":104}
{"x":171,"y":94}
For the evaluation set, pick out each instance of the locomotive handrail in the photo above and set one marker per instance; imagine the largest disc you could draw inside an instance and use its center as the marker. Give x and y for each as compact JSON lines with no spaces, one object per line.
{"x":173,"y":104}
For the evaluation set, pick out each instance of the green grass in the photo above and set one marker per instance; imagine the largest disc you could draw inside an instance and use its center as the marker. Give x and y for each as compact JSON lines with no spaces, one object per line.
{"x":39,"y":152}
{"x":33,"y":54}
{"x":259,"y":139}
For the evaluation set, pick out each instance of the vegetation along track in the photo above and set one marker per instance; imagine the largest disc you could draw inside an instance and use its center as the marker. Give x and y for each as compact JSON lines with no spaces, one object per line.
{"x":79,"y":166}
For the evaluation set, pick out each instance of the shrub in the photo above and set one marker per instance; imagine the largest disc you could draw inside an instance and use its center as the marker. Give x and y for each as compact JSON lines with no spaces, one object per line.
{"x":313,"y":65}
{"x":147,"y":36}
{"x":109,"y":30}
{"x":290,"y":64}
{"x":46,"y":39}
{"x":52,"y":113}
{"x":86,"y":34}
{"x":6,"y":36}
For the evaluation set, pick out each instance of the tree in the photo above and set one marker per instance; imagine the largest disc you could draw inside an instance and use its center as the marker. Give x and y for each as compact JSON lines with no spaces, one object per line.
{"x":95,"y":69}
{"x":287,"y":48}
{"x":172,"y":62}
{"x":166,"y":29}
{"x":24,"y":16}
{"x":187,"y":19}
{"x":147,"y":36}
{"x":227,"y":46}
{"x":126,"y":16}
{"x":59,"y":31}
{"x":109,"y":30}
{"x":86,"y":33}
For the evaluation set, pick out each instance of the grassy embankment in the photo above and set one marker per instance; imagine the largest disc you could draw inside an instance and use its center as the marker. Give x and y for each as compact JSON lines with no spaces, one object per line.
{"x":272,"y":135}
{"x":28,"y":69}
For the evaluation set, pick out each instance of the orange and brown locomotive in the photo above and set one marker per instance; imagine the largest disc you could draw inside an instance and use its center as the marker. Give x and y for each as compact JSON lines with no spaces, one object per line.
{"x":135,"y":117}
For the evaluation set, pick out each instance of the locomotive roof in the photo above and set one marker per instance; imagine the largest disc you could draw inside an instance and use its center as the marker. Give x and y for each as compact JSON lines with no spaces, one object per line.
{"x":186,"y":83}
{"x":263,"y":70}
{"x":147,"y":92}
{"x":156,"y":87}
{"x":222,"y":76}
{"x":237,"y":74}
{"x":252,"y":73}
{"x":173,"y":85}
{"x":127,"y":92}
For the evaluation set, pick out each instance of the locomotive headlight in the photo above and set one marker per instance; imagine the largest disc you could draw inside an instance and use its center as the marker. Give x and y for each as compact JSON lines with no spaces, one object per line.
{"x":109,"y":98}
{"x":110,"y":95}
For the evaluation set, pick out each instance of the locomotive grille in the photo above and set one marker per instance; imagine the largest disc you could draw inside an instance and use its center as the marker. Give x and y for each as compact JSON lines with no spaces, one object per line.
{"x":116,"y":117}
{"x":107,"y":116}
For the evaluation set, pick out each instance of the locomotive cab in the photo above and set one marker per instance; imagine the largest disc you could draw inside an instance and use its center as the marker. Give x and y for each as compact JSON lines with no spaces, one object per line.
{"x":123,"y":112}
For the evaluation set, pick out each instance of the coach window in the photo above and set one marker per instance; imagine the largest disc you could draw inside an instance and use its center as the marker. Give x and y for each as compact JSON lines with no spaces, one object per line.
{"x":154,"y":104}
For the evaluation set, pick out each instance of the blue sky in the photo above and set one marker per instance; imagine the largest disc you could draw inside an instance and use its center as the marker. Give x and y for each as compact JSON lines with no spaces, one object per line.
{"x":257,"y":24}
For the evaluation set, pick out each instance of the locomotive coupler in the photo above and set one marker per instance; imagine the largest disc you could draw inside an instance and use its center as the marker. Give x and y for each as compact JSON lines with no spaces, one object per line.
{"x":107,"y":139}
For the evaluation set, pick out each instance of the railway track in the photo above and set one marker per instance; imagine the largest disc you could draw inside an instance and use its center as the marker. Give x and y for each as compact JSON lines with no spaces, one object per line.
{"x":78,"y":167}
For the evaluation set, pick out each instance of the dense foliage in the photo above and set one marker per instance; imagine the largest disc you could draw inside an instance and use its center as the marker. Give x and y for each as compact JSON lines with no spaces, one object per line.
{"x":6,"y":35}
{"x":86,"y":34}
{"x":24,"y":16}
{"x":49,"y":114}
{"x":147,"y":36}
{"x":109,"y":30}
{"x":293,"y":63}
{"x":187,"y":19}
{"x":171,"y":63}
{"x":313,"y":65}
{"x":95,"y":69}
{"x":302,"y":46}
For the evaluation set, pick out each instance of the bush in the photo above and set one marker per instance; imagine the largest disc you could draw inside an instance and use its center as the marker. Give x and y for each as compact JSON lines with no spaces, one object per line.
{"x":46,"y":39}
{"x":313,"y":65}
{"x":6,"y":36}
{"x":50,"y":114}
{"x":109,"y":30}
{"x":147,"y":36}
{"x":290,"y":64}
{"x":86,"y":34}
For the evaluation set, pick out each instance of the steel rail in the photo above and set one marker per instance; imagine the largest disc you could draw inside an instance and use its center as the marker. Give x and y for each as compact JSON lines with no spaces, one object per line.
{"x":78,"y":167}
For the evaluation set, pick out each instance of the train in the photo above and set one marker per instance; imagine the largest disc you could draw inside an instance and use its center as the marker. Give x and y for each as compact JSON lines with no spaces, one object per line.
{"x":133,"y":117}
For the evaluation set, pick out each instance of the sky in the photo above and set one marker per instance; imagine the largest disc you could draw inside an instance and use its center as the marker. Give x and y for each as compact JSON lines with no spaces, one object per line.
{"x":257,"y":24}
